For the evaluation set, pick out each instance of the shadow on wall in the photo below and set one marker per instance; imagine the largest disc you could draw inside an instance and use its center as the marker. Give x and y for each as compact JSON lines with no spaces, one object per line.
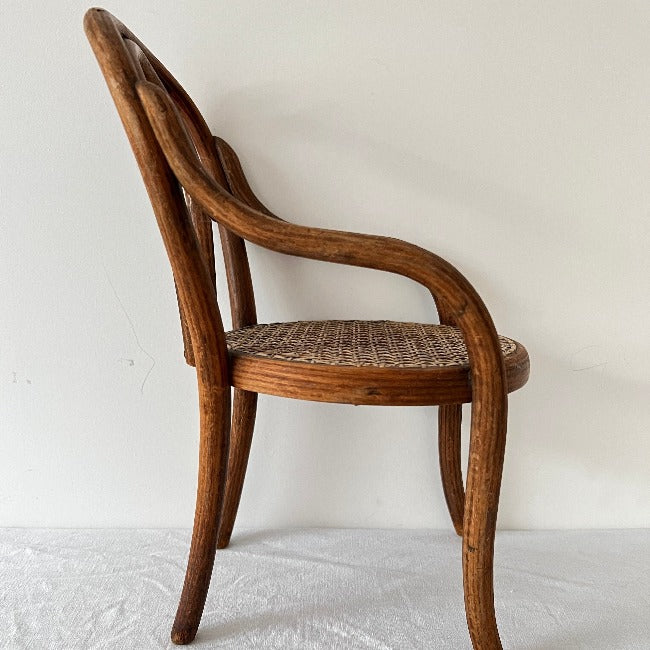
{"x":410,"y":174}
{"x":483,"y":228}
{"x":562,"y":450}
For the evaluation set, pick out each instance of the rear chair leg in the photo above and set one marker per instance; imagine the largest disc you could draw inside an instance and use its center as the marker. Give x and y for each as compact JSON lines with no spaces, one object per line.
{"x":241,"y":435}
{"x":449,"y":420}
{"x":214,"y":404}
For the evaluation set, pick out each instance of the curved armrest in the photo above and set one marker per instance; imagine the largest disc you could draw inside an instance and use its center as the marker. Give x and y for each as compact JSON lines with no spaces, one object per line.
{"x":241,"y":190}
{"x":462,"y":303}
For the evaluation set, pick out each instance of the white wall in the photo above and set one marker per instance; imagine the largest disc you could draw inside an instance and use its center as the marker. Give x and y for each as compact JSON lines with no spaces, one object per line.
{"x":512,"y":138}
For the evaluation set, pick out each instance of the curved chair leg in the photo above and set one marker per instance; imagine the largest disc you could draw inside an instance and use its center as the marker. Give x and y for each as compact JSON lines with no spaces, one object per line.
{"x":487,"y":447}
{"x":449,"y":420}
{"x":214,"y":404}
{"x":241,"y":435}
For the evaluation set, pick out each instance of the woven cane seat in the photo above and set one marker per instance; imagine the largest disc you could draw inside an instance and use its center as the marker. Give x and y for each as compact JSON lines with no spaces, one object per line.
{"x":367,"y":356}
{"x":382,"y":344}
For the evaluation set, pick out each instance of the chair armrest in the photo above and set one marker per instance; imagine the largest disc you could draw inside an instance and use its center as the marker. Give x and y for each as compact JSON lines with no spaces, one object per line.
{"x":460,"y":300}
{"x":239,"y":188}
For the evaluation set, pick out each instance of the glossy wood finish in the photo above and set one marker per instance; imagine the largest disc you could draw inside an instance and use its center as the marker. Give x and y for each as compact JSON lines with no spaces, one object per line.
{"x":175,"y":150}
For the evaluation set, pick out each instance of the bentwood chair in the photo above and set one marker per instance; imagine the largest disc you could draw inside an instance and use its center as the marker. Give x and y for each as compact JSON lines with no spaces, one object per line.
{"x":193,"y":179}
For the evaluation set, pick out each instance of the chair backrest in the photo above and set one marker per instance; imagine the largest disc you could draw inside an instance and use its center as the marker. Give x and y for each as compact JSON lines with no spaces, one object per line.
{"x":186,"y":230}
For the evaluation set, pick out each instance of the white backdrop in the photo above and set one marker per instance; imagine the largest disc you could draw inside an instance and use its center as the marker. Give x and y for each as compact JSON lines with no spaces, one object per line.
{"x":512,"y":138}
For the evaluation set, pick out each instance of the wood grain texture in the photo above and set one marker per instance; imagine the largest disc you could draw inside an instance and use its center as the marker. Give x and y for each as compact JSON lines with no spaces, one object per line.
{"x":240,"y":283}
{"x":214,"y":409}
{"x":241,"y":436}
{"x":244,"y":314}
{"x":197,"y":297}
{"x":193,"y":179}
{"x":365,"y":385}
{"x":449,"y":429}
{"x":237,"y":181}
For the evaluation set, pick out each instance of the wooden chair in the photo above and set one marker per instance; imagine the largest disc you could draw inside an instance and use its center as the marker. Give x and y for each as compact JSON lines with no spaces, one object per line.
{"x":194,"y":179}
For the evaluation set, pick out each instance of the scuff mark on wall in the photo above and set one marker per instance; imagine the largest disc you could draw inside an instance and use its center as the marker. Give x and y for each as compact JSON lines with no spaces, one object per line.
{"x":135,"y":334}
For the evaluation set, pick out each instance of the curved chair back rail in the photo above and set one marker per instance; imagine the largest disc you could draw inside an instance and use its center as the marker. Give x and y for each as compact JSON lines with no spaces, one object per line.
{"x":124,"y":61}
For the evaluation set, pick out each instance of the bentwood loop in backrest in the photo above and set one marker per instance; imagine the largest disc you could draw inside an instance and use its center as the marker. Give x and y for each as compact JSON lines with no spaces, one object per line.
{"x":187,"y":232}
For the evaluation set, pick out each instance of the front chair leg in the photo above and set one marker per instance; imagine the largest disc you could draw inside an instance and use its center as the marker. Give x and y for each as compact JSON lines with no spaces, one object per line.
{"x":214,"y":404}
{"x":241,"y":435}
{"x":449,"y":421}
{"x":487,"y":448}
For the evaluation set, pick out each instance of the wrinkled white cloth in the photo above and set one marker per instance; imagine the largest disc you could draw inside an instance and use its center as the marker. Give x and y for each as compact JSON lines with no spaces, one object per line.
{"x":323,"y":589}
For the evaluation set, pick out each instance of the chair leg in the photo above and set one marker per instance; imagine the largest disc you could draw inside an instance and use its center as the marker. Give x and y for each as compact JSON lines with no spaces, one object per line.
{"x":449,"y":420}
{"x":241,"y":435}
{"x":487,"y":447}
{"x":214,"y":404}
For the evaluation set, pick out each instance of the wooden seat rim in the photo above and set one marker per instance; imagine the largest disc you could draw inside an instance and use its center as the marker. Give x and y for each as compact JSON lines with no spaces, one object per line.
{"x":366,"y":384}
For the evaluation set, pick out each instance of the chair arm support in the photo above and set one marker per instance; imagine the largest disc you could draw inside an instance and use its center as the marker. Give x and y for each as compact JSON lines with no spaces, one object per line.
{"x":461,"y":302}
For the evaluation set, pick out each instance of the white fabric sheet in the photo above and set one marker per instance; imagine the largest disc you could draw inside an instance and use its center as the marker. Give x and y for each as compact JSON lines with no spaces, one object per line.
{"x":322,"y":589}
